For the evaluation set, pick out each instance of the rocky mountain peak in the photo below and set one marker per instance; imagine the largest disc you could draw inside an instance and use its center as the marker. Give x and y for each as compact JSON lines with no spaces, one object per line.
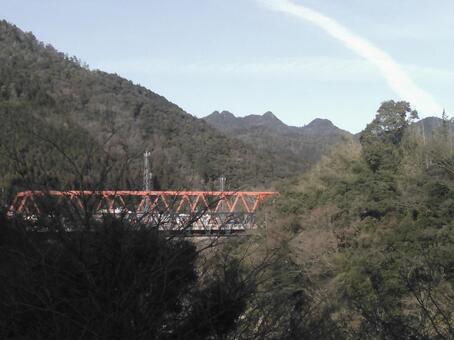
{"x":320,"y":123}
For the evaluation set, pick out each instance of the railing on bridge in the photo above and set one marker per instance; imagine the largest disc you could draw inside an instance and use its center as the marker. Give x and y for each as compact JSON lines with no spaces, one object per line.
{"x":196,"y":212}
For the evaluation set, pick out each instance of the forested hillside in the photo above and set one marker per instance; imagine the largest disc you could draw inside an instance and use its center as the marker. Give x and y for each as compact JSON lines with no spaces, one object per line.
{"x":298,"y":147}
{"x":370,"y":232}
{"x":48,"y":98}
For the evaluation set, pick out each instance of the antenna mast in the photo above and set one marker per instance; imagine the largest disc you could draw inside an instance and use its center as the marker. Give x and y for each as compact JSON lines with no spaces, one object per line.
{"x":147,"y":174}
{"x":222,"y":180}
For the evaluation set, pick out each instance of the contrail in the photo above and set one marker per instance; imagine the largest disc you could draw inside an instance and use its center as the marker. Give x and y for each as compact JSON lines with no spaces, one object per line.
{"x":397,"y":79}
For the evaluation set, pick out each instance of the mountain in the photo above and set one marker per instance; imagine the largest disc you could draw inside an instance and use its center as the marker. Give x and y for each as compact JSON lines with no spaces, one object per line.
{"x":50,"y":101}
{"x":298,"y":147}
{"x":226,"y":122}
{"x":428,"y":125}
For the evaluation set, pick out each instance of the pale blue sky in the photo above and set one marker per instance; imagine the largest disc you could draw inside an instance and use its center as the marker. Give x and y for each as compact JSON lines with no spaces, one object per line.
{"x":239,"y":55}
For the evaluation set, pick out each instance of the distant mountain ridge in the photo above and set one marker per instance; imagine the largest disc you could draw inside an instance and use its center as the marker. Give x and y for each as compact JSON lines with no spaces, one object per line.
{"x":300,"y":147}
{"x":227,"y":121}
{"x":429,"y":125}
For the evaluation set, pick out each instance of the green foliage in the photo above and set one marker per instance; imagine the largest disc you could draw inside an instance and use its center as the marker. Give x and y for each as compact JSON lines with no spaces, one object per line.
{"x":382,"y":220}
{"x":116,"y":280}
{"x":384,"y":133}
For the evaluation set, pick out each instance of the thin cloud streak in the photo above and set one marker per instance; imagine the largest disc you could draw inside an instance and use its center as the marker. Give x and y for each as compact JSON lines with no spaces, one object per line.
{"x":311,"y":68}
{"x":396,"y":77}
{"x":320,"y":68}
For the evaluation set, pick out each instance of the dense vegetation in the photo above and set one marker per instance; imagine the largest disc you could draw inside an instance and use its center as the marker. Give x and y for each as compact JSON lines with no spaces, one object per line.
{"x":370,"y":229}
{"x":360,"y":247}
{"x":111,"y":279}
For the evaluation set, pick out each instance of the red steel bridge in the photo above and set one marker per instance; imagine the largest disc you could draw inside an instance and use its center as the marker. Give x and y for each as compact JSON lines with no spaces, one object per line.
{"x":194,"y":212}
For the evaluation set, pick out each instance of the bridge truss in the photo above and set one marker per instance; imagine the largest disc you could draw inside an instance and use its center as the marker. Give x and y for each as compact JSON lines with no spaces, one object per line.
{"x":194,"y":212}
